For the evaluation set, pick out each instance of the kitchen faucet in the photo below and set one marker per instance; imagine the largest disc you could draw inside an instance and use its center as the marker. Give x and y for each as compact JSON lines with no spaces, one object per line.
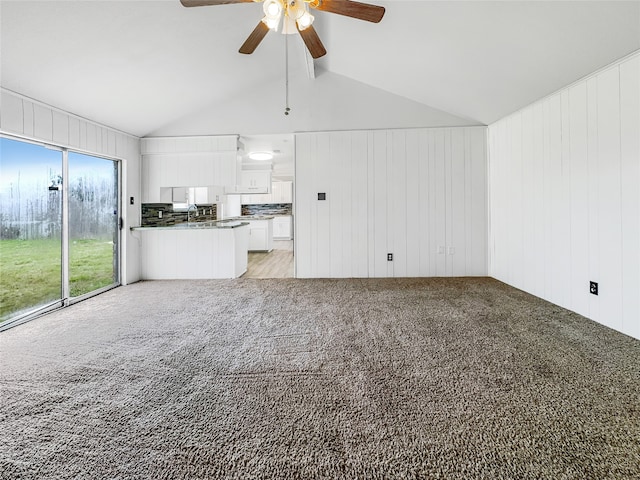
{"x":189,"y":217}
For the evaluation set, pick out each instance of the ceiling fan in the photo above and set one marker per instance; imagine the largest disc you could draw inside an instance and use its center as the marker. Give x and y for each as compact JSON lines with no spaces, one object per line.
{"x":294,"y":16}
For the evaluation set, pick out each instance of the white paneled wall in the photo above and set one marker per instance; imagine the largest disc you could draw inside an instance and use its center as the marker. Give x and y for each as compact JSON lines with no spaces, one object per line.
{"x":23,"y":117}
{"x":564,"y":179}
{"x":419,"y":194}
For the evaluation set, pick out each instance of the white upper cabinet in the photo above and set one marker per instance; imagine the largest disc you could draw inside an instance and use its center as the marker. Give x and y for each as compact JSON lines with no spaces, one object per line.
{"x":281,"y":192}
{"x":256,"y":180}
{"x":252,"y":181}
{"x":187,"y":162}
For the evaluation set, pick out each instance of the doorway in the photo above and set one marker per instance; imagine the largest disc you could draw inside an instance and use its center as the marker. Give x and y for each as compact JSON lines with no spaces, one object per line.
{"x":273,"y":258}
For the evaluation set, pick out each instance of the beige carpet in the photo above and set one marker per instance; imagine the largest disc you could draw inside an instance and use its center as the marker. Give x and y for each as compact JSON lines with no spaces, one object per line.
{"x":331,"y":379}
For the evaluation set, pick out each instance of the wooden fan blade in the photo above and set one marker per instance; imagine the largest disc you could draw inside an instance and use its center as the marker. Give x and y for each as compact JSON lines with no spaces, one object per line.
{"x":204,"y":3}
{"x":312,"y":41}
{"x":253,"y":40}
{"x":349,"y":8}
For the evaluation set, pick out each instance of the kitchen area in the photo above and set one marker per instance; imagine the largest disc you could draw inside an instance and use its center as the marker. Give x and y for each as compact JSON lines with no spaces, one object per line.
{"x":217,"y":207}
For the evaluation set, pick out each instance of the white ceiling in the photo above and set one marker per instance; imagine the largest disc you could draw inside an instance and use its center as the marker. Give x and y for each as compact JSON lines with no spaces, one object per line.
{"x":140,"y":66}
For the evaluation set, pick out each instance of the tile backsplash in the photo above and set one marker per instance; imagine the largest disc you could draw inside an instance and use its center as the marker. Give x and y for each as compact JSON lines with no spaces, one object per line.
{"x":151,"y":214}
{"x":267,"y":209}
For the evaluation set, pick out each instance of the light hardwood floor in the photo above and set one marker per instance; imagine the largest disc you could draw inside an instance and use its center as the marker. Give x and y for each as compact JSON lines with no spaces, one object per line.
{"x":276,"y":264}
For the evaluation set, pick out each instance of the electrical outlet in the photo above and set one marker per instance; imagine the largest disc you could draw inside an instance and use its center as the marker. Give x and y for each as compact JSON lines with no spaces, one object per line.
{"x":131,"y":200}
{"x":160,"y":214}
{"x":389,"y":257}
{"x":593,"y":288}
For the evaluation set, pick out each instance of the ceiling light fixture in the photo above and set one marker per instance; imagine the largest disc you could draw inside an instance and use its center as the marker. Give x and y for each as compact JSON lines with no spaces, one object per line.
{"x":290,"y":12}
{"x":262,"y":156}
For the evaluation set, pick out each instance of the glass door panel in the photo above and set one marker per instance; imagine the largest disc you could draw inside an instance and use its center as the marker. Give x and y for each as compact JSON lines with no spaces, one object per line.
{"x":30,"y":227}
{"x":93,"y":223}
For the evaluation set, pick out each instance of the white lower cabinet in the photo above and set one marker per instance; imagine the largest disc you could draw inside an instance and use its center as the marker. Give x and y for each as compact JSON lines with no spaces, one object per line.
{"x":261,"y":235}
{"x":282,"y":227}
{"x":183,"y":253}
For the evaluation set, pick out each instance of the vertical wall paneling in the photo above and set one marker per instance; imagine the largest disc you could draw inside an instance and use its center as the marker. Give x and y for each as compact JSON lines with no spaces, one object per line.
{"x":82,"y":142}
{"x":379,"y":207}
{"x":111,"y":142}
{"x":43,"y":122}
{"x":60,"y":124}
{"x":313,"y":212}
{"x":540,"y":175}
{"x":323,"y":167}
{"x":303,"y":203}
{"x":609,"y":203}
{"x":630,"y":194}
{"x":358,"y":247}
{"x":12,"y":119}
{"x":391,"y":179}
{"x":398,"y":231}
{"x":413,"y":212}
{"x":456,"y":251}
{"x":92,"y":137}
{"x":575,"y":197}
{"x":74,"y":135}
{"x":468,"y":204}
{"x":555,"y":274}
{"x":594,"y":193}
{"x":419,"y":194}
{"x":441,"y":210}
{"x":579,"y":199}
{"x":339,"y":207}
{"x":476,"y":179}
{"x":28,"y":118}
{"x":564,"y":226}
{"x":422,"y":179}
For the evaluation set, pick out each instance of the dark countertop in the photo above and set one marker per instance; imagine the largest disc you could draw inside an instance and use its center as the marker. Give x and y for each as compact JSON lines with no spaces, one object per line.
{"x":228,"y":223}
{"x":252,"y":217}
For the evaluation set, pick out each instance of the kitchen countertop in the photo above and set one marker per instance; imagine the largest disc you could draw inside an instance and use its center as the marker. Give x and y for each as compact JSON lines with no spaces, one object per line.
{"x":228,"y":223}
{"x":252,"y":217}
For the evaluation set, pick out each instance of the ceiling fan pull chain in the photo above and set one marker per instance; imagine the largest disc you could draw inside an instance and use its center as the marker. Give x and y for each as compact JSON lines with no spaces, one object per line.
{"x":286,"y":75}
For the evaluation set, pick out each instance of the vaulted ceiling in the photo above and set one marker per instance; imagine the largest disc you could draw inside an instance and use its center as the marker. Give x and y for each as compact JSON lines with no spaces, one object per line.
{"x":155,"y":67}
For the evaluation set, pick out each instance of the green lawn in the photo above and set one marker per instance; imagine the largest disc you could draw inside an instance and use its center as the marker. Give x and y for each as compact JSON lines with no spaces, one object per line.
{"x":30,"y":271}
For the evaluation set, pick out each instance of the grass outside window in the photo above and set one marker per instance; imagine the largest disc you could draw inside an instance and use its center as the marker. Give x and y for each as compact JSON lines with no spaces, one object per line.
{"x":30,"y":271}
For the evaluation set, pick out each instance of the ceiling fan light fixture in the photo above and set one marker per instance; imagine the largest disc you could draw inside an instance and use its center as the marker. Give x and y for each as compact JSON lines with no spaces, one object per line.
{"x":305,"y":21}
{"x":271,"y":23}
{"x":272,"y":8}
{"x":262,"y":156}
{"x":272,"y":13}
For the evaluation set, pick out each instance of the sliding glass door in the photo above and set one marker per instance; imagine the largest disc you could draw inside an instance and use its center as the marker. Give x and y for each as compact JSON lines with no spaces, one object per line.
{"x":59,"y":236}
{"x":30,"y":227}
{"x":93,"y":223}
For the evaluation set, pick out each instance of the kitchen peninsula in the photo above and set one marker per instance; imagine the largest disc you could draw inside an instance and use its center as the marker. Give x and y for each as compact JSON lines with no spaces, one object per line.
{"x":199,"y":250}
